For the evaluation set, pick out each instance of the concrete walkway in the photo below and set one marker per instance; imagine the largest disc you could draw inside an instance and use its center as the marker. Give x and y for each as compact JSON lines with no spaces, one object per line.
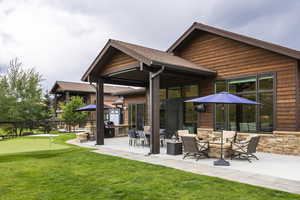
{"x":236,"y":172}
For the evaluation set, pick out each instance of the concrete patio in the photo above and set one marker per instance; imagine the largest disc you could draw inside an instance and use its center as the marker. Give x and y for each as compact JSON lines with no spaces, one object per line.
{"x":273,"y":171}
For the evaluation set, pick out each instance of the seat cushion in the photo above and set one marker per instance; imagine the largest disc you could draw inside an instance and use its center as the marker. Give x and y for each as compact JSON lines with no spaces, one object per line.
{"x":218,"y":145}
{"x":239,"y":148}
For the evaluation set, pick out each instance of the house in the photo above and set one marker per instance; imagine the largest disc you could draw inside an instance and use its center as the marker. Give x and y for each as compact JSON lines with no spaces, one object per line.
{"x":133,"y":107}
{"x":63,"y":91}
{"x":206,"y":60}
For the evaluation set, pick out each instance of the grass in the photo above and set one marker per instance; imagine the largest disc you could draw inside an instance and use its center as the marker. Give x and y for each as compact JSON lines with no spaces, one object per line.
{"x":29,"y":144}
{"x":69,"y":172}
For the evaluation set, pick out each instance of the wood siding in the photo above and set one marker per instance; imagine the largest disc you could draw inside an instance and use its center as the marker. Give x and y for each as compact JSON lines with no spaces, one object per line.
{"x":118,"y":60}
{"x":232,"y":59}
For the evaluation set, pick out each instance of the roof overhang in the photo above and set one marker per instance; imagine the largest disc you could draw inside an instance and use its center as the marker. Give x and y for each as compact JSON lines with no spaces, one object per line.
{"x":92,"y":74}
{"x":139,"y":76}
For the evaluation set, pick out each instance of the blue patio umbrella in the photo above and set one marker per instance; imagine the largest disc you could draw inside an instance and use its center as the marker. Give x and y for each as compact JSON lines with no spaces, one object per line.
{"x":90,"y":107}
{"x":222,"y":98}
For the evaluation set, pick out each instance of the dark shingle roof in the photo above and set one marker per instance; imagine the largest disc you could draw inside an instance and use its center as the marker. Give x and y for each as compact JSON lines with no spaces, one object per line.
{"x":153,"y":56}
{"x":63,"y":86}
{"x":148,"y":56}
{"x":234,"y":36}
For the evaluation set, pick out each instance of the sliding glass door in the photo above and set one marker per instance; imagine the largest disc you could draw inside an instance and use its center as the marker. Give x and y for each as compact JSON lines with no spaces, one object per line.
{"x":136,"y":116}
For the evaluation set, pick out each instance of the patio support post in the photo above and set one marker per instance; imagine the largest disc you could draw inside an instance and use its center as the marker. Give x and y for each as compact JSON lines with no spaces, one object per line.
{"x":99,"y":113}
{"x":154,"y":110}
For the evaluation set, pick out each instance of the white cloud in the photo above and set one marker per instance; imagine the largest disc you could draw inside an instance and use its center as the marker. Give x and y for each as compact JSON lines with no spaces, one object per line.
{"x":61,"y":38}
{"x":57,"y":43}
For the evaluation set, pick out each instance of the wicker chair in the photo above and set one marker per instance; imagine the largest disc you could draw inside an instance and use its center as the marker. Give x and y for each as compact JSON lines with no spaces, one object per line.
{"x":245,"y":150}
{"x":192,"y":147}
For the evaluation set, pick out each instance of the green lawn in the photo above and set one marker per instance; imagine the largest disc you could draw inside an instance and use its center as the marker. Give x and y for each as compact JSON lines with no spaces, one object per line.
{"x":68,"y":172}
{"x":29,"y":144}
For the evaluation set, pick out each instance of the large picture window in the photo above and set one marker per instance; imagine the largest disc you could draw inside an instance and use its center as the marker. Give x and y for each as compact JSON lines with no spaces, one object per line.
{"x":175,"y":113}
{"x":247,"y":118}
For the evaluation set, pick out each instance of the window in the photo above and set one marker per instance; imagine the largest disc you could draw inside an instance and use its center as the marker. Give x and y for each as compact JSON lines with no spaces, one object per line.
{"x":246,"y":118}
{"x":162,"y":94}
{"x":220,"y":86}
{"x":266,"y":112}
{"x":220,"y":117}
{"x":242,"y":117}
{"x":190,"y":115}
{"x":242,"y":85}
{"x":136,"y":115}
{"x":190,"y":91}
{"x":174,"y":92}
{"x":266,"y":82}
{"x":132,"y":115}
{"x":185,"y":114}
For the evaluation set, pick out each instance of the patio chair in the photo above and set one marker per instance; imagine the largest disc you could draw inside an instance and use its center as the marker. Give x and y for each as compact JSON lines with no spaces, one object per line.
{"x":203,"y":134}
{"x":191,"y":147}
{"x":142,"y":138}
{"x":181,"y":133}
{"x":245,"y":150}
{"x":147,"y":129}
{"x":229,"y":137}
{"x":162,"y":137}
{"x":132,"y":137}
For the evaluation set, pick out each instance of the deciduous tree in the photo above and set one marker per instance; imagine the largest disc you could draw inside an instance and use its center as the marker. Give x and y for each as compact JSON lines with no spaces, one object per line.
{"x":70,"y":115}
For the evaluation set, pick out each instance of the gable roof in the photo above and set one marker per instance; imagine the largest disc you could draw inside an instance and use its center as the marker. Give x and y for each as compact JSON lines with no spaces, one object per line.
{"x":64,"y":86}
{"x":234,"y":36}
{"x":146,"y":55}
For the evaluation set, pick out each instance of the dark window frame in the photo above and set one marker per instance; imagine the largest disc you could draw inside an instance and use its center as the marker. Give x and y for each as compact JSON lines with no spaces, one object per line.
{"x":185,"y":98}
{"x":136,"y":111}
{"x":257,"y":92}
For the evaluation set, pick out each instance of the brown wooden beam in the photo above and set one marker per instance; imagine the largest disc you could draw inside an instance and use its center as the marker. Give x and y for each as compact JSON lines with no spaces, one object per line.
{"x":120,"y":81}
{"x":155,"y":121}
{"x":99,"y":113}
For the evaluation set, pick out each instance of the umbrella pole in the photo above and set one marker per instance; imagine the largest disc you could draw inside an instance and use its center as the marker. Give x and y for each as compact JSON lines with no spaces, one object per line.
{"x":221,"y":161}
{"x":224,"y":119}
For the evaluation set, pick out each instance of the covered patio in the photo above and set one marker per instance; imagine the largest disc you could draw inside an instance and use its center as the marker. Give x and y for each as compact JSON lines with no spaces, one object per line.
{"x":132,"y":65}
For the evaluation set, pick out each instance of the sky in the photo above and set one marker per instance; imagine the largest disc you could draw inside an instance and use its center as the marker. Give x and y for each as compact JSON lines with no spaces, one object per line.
{"x":61,"y":38}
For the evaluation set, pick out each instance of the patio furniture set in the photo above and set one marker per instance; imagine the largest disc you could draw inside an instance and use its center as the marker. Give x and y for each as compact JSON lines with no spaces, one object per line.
{"x":200,"y":145}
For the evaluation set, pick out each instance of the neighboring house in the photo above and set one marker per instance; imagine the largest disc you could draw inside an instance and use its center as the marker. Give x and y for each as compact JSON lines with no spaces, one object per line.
{"x":63,"y":91}
{"x":133,"y":104}
{"x":206,"y":60}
